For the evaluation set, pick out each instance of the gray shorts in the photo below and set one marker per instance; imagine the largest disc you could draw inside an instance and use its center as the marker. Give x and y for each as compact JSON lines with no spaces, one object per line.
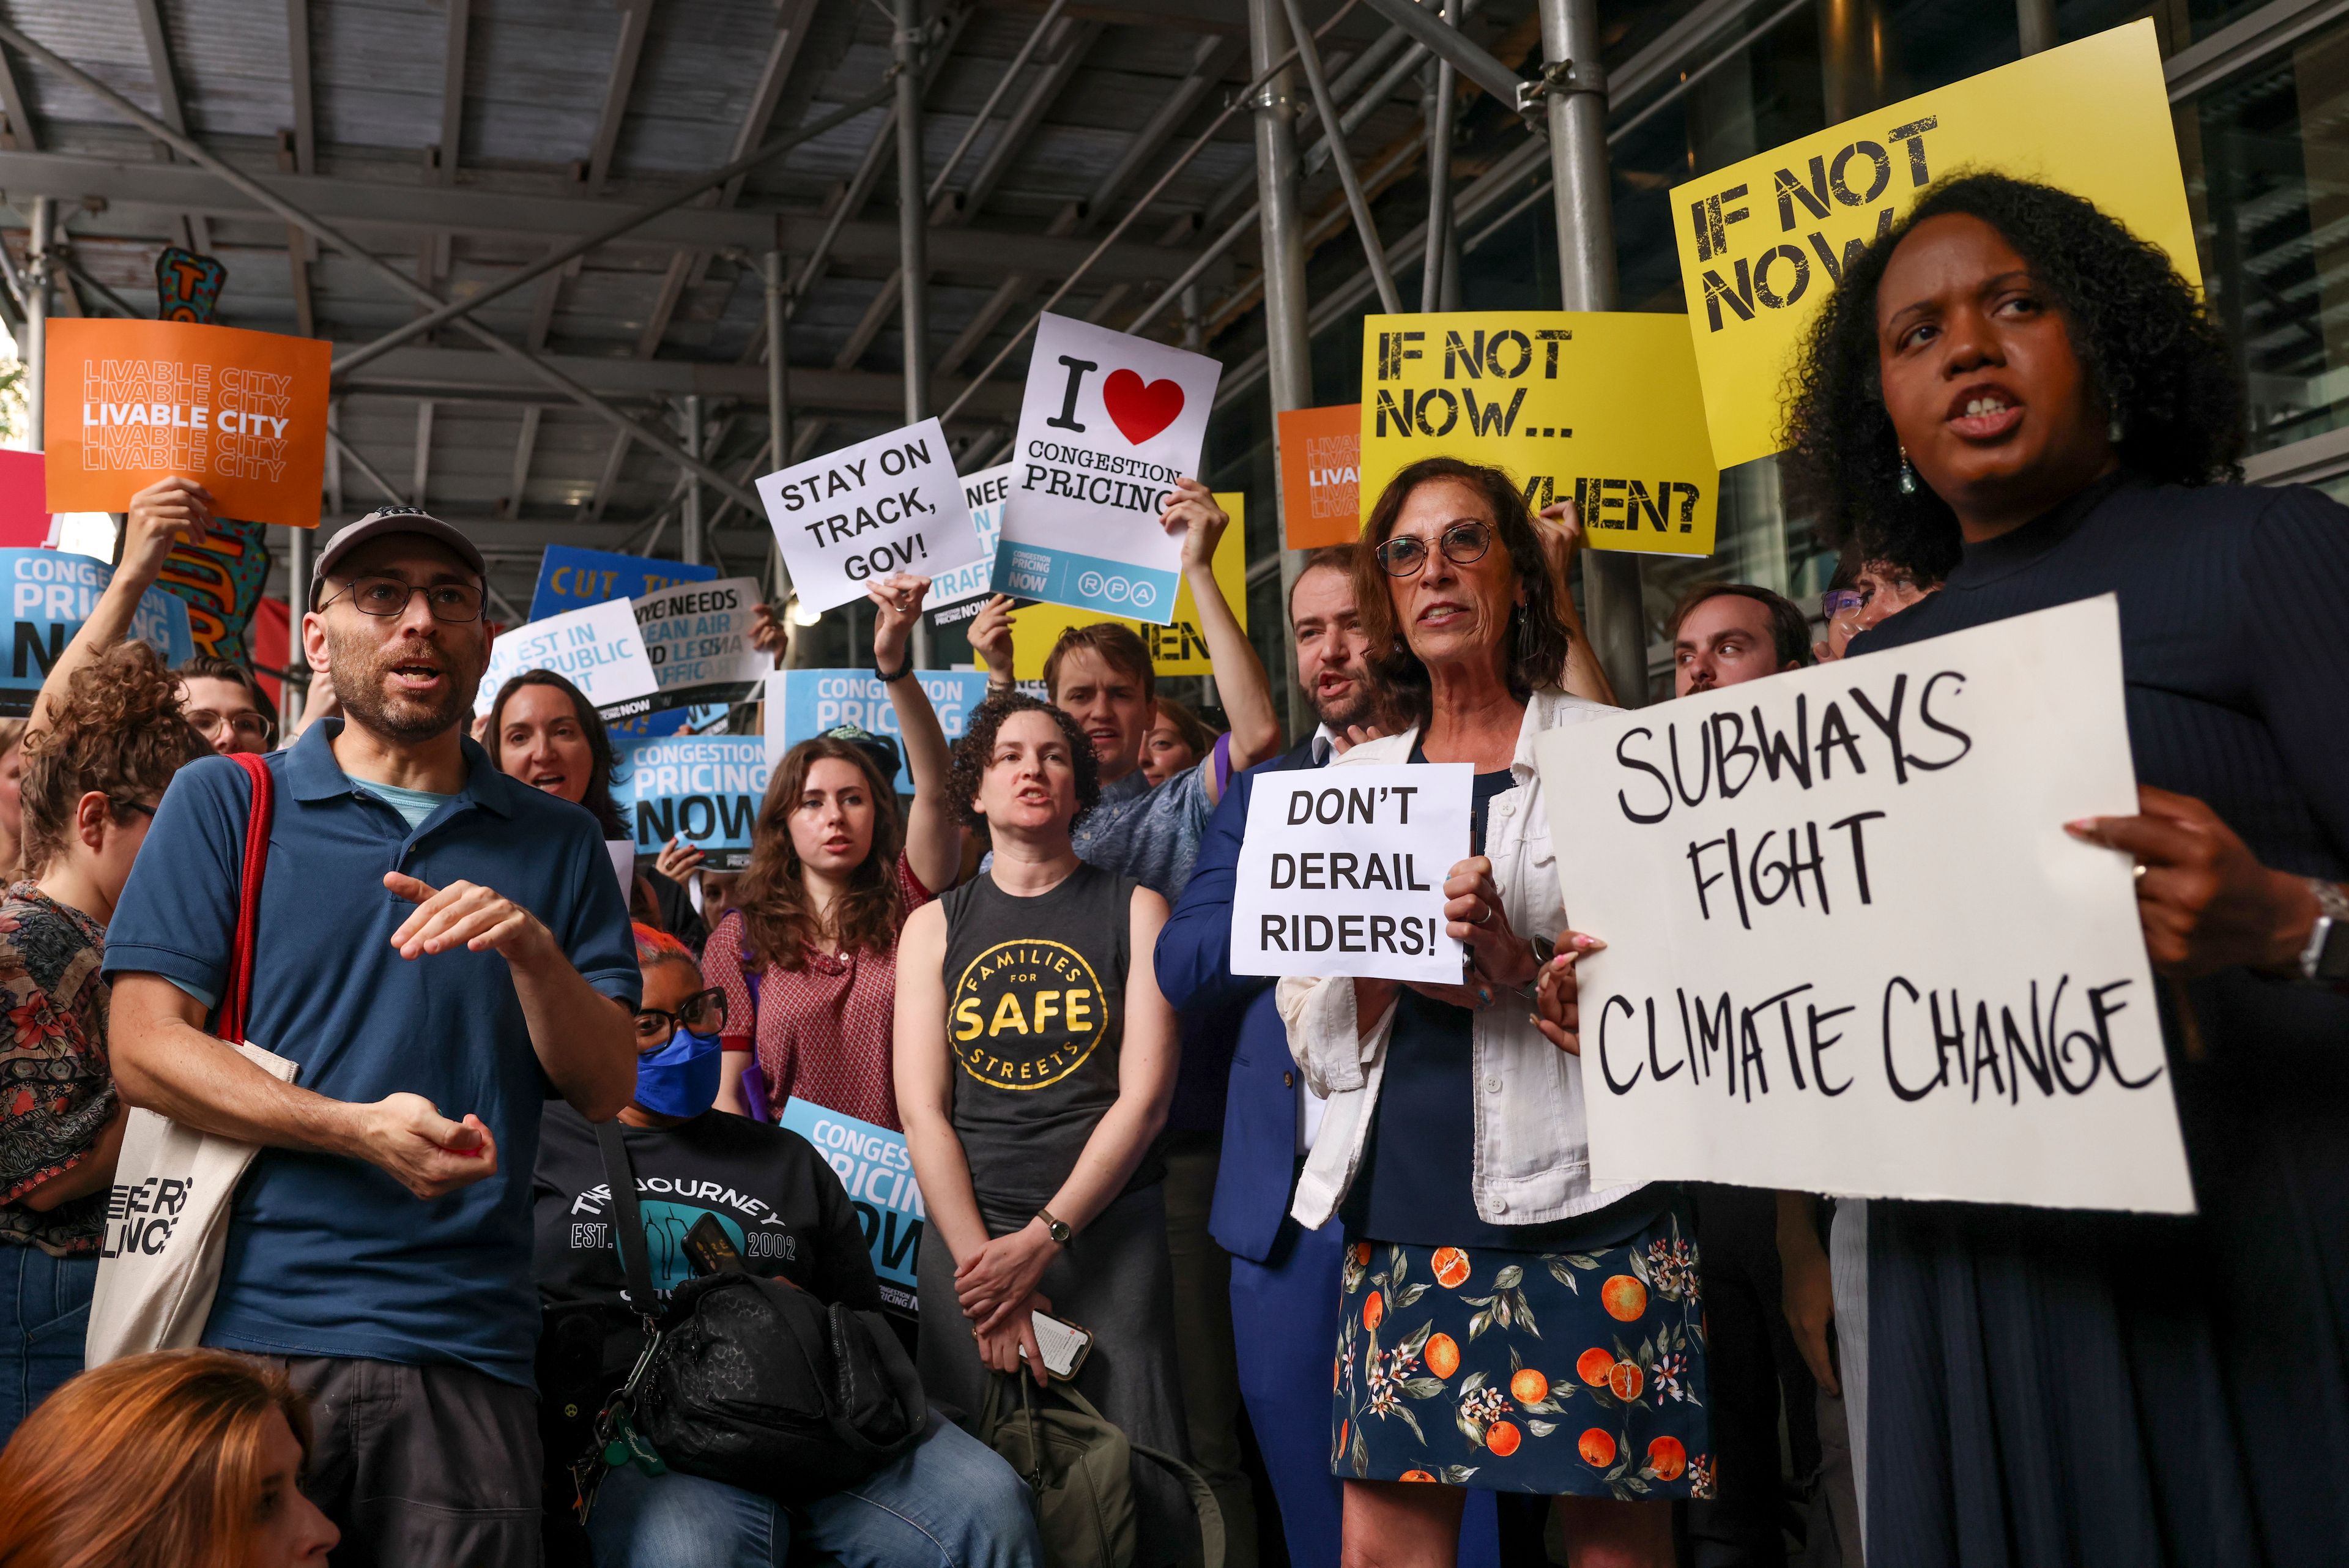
{"x":421,"y":1465}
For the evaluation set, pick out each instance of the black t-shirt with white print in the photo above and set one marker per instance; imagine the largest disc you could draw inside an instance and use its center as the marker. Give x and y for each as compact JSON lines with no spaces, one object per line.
{"x":777,"y":1200}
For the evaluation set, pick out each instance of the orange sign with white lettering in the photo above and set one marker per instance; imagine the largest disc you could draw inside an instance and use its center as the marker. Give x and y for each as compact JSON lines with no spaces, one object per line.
{"x":242,"y":413}
{"x":1320,"y":476}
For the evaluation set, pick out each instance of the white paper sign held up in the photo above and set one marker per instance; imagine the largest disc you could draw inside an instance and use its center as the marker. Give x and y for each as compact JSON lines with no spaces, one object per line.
{"x":1343,"y":871}
{"x":1108,"y":423}
{"x":893,"y":504}
{"x":598,"y":649}
{"x":1850,"y":946}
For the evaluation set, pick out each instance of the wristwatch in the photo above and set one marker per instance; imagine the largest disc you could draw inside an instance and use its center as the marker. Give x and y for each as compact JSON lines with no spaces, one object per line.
{"x":2326,"y":959}
{"x":1057,"y":1230}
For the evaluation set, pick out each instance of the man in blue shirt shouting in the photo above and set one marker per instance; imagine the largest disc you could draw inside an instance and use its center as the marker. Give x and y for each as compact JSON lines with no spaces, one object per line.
{"x":438,"y":950}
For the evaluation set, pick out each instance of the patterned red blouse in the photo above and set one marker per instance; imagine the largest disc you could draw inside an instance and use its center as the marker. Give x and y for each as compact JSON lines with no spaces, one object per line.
{"x":823,"y":1033}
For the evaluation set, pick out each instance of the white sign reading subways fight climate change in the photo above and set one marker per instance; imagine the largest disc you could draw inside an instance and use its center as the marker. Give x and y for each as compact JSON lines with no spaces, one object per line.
{"x":1343,"y":869}
{"x":1850,"y":946}
{"x":853,"y":516}
{"x":1108,"y":423}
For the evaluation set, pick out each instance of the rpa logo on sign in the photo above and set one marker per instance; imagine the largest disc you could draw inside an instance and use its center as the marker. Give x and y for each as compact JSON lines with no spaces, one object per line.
{"x":1117,"y":590}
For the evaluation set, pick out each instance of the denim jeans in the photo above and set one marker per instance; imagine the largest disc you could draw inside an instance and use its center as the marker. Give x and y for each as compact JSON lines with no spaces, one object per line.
{"x":44,"y":1319}
{"x":951,"y":1502}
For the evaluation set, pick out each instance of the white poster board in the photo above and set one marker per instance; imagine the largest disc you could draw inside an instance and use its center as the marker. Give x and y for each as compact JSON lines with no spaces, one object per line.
{"x":597,"y":650}
{"x":1343,"y":871}
{"x":893,"y":504}
{"x":957,"y":595}
{"x":698,"y":639}
{"x":1108,"y":423}
{"x":1850,"y":946}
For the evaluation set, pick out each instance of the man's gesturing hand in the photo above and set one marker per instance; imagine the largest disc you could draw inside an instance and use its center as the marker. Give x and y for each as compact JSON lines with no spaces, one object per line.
{"x":425,"y":1151}
{"x":466,"y":913}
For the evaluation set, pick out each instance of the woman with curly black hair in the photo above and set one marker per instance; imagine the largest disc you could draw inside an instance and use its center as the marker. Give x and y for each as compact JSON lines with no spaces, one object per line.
{"x":2013,"y":383}
{"x":1035,"y":1065}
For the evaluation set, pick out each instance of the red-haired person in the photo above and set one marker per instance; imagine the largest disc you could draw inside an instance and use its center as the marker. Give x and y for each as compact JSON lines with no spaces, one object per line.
{"x":807,"y":957}
{"x":181,"y":1458}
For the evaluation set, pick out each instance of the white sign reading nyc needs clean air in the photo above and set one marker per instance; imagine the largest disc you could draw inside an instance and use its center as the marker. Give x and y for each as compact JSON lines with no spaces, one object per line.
{"x":1343,"y":869}
{"x":1850,"y":946}
{"x":599,"y":649}
{"x":1108,"y":423}
{"x":853,"y":516}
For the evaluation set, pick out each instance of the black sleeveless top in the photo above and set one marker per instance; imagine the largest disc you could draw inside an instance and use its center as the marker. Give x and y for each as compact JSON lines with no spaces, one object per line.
{"x":1035,"y":1017}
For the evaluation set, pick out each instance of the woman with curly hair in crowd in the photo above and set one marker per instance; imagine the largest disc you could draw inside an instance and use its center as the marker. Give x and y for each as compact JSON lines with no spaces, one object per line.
{"x":808,"y":955}
{"x":1036,"y":1063}
{"x":181,"y":1458}
{"x":93,"y":777}
{"x":2012,"y":374}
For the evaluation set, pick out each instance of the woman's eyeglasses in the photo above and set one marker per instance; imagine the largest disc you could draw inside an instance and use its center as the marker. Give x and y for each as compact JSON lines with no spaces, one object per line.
{"x":1461,"y":543}
{"x":246,"y":725}
{"x":704,"y":1013}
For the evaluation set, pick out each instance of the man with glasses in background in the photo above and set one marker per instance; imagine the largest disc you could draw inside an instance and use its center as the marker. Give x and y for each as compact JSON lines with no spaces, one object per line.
{"x":438,"y":947}
{"x":225,"y":703}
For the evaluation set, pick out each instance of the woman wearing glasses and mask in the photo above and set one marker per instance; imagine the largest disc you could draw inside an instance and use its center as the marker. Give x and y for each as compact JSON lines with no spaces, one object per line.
{"x":1505,"y":1323}
{"x":949,"y":1503}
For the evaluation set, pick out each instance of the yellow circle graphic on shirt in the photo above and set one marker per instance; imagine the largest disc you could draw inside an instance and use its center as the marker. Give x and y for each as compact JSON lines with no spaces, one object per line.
{"x":1025,"y":1015}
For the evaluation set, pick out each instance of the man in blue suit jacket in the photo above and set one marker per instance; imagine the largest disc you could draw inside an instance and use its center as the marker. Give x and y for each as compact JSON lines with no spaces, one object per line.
{"x":1285,"y":1279}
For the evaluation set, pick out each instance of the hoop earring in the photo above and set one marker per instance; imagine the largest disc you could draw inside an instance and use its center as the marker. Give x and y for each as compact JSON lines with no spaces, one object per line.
{"x":1907,"y":475}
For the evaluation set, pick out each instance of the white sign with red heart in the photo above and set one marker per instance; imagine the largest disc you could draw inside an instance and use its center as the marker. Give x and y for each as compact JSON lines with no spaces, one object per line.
{"x":1109,"y":423}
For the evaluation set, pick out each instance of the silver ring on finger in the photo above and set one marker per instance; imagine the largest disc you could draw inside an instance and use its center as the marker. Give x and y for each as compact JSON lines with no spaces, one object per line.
{"x":1485,"y":911}
{"x":2140,"y":870}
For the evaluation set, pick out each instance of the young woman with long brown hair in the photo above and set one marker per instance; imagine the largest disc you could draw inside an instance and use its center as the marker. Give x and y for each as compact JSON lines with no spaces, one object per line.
{"x":181,"y":1458}
{"x":834,"y":873}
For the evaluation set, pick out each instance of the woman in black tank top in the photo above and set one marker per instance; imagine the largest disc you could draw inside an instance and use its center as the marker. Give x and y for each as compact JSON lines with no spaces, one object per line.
{"x":1035,"y":1061}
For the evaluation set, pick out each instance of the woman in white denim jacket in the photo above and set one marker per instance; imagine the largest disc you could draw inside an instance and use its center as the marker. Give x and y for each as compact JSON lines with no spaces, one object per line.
{"x":1504,"y":1324}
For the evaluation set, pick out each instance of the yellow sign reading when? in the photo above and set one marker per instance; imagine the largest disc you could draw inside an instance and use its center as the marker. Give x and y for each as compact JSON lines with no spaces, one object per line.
{"x":1178,"y":648}
{"x":1763,"y":243}
{"x":1599,"y":408}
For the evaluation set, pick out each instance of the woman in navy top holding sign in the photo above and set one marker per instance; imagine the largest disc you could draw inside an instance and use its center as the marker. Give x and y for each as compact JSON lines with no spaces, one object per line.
{"x":1505,"y":1323}
{"x":2013,"y":370}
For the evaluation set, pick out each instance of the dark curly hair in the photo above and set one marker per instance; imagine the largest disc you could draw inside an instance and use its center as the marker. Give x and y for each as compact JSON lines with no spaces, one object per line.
{"x":2156,"y":362}
{"x":969,"y":764}
{"x":118,"y":732}
{"x":598,"y":799}
{"x":1537,"y":638}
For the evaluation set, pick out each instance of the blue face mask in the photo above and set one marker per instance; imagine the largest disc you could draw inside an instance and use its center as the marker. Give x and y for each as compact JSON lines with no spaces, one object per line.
{"x":680,"y":1079}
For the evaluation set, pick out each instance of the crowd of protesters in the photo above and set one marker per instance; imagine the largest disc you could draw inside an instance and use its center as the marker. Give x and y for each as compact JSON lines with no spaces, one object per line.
{"x":1206,"y":1191}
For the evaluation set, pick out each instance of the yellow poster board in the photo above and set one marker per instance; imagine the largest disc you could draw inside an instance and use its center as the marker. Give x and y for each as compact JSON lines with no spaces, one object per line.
{"x":1762,"y":242}
{"x":1177,"y":648}
{"x":1602,"y":408}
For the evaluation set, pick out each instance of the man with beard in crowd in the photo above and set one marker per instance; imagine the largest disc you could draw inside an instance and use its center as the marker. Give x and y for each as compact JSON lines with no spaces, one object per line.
{"x":439,"y":950}
{"x":1284,"y":1289}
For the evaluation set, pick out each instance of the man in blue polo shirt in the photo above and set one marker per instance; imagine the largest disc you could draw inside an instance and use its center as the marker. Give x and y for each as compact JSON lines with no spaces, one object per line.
{"x":440,"y":948}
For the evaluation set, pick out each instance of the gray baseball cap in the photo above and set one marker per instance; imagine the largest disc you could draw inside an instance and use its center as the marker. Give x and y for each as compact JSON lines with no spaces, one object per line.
{"x":392,"y":520}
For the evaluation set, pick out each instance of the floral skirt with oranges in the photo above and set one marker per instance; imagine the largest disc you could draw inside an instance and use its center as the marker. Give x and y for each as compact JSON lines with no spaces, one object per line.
{"x":1563,"y":1374}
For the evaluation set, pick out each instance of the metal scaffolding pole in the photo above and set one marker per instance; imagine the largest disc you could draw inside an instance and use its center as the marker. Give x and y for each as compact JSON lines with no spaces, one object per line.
{"x":297,"y":599}
{"x":695,"y":545}
{"x":1333,"y":132}
{"x":1440,"y":228}
{"x":1288,"y":345}
{"x":913,"y":244}
{"x":779,"y":390}
{"x":36,"y":322}
{"x":1577,"y":105}
{"x":2034,"y":20}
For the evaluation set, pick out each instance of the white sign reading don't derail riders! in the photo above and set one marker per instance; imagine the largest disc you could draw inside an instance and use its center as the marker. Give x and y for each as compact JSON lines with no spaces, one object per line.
{"x":1343,"y":872}
{"x":1850,"y":946}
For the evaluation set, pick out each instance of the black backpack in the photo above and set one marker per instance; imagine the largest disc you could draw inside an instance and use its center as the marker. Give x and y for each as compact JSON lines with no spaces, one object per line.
{"x":753,"y":1381}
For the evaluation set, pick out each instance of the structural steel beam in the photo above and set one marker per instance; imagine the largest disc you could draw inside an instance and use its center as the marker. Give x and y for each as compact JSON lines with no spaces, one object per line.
{"x":1333,"y":133}
{"x":1448,"y":43}
{"x":416,"y":370}
{"x":398,"y":213}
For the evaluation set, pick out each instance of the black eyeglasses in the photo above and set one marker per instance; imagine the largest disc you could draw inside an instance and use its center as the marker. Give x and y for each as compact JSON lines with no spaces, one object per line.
{"x":703,"y":1013}
{"x":454,"y":603}
{"x":140,"y":806}
{"x":1461,"y":543}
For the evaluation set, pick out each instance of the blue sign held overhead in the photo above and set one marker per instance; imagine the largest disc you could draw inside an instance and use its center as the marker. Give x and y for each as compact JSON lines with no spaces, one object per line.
{"x":704,"y":789}
{"x":816,"y":700}
{"x":50,"y":594}
{"x":569,"y":578}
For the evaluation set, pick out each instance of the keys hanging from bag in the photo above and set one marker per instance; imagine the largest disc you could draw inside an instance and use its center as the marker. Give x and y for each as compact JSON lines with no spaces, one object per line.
{"x":166,"y":1218}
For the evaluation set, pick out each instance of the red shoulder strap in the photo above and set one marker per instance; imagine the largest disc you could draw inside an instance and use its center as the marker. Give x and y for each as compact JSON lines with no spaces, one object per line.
{"x":236,"y":998}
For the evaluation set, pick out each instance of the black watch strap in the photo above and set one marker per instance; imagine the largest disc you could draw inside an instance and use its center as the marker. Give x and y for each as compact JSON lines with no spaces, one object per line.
{"x":890,"y":677}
